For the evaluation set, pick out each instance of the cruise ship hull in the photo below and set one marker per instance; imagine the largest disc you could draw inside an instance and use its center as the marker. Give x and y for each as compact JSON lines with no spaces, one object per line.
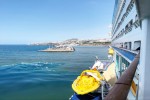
{"x":130,"y":36}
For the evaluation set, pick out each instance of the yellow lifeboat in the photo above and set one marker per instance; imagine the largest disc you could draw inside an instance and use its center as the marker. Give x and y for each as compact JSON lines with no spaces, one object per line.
{"x":110,"y":51}
{"x":88,"y":81}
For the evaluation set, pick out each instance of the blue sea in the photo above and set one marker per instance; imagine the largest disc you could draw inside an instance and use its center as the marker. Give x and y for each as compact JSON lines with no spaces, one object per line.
{"x":26,"y":74}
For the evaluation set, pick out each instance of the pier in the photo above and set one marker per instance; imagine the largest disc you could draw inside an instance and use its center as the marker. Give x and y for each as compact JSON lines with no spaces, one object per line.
{"x":59,"y":49}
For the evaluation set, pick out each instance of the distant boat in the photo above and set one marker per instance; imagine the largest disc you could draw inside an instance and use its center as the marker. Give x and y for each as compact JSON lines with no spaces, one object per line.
{"x":61,"y":48}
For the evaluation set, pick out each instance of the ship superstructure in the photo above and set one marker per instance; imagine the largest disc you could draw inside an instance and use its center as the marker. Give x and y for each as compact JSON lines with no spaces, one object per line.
{"x":131,"y":35}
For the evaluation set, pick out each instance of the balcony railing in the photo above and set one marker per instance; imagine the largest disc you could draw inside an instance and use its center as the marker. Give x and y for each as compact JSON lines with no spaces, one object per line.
{"x":121,"y":88}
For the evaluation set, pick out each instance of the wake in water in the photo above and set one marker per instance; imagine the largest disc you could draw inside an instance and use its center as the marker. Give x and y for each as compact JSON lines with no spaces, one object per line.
{"x":31,"y":67}
{"x":29,"y":72}
{"x":30,"y":78}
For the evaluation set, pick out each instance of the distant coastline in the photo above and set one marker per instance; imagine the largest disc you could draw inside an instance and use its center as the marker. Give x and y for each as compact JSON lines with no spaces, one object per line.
{"x":77,"y":42}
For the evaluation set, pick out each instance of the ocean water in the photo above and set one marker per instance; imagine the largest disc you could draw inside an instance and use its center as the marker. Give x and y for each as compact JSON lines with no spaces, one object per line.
{"x":26,"y":74}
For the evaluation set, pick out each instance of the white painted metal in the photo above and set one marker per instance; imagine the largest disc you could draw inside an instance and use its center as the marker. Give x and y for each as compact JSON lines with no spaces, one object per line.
{"x":144,"y":68}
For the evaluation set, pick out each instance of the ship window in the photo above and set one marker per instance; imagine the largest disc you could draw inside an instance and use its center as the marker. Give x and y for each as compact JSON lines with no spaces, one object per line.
{"x":136,"y":17}
{"x":130,"y":44}
{"x":122,"y":31}
{"x":133,"y":1}
{"x":126,"y":27}
{"x":137,"y":45}
{"x":131,"y":22}
{"x":124,"y":65}
{"x":129,"y":8}
{"x":121,"y":45}
{"x":124,"y":15}
{"x":127,"y":13}
{"x":125,"y":45}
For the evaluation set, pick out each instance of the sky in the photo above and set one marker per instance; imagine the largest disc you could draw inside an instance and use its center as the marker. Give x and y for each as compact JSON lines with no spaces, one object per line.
{"x":31,"y":21}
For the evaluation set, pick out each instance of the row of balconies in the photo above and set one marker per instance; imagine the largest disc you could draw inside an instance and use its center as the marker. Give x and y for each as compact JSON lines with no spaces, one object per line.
{"x":129,"y":8}
{"x":128,"y":28}
{"x":129,"y":46}
{"x":117,"y":17}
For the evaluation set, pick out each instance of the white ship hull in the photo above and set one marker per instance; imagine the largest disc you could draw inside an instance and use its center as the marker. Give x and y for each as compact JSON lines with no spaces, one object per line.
{"x":130,"y":35}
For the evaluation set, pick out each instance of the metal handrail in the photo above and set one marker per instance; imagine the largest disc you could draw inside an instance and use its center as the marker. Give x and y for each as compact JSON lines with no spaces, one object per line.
{"x":121,"y":88}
